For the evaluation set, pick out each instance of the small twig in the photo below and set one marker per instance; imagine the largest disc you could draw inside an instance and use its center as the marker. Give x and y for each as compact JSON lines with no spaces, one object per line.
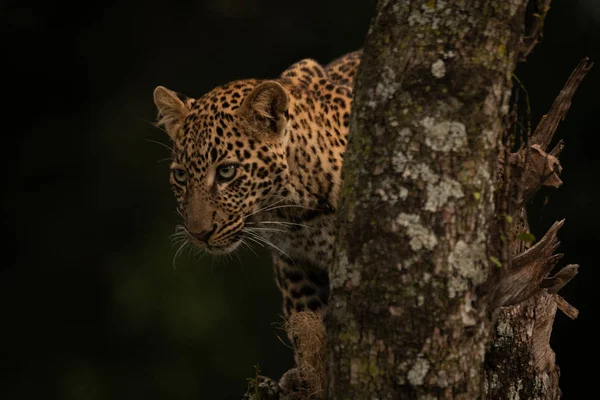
{"x":565,"y":307}
{"x":557,"y":149}
{"x":562,"y":277}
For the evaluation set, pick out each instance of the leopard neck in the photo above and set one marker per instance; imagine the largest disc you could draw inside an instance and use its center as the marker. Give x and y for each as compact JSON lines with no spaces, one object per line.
{"x":315,"y":147}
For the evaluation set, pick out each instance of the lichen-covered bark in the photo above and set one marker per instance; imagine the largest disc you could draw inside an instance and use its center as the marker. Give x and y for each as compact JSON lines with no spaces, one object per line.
{"x":408,"y":317}
{"x":520,"y":363}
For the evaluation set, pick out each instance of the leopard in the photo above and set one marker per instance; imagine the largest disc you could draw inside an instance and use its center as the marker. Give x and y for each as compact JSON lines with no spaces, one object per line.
{"x":258,"y":162}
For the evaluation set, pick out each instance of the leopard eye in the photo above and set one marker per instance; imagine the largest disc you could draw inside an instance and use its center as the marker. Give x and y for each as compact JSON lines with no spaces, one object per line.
{"x":226,"y":172}
{"x":179,"y":175}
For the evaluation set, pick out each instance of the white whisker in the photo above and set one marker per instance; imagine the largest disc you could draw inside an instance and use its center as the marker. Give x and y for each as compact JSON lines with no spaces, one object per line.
{"x":287,"y":206}
{"x":264,"y":208}
{"x":198,"y":254}
{"x":279,"y":223}
{"x":178,"y":252}
{"x":265,"y":241}
{"x":255,"y":241}
{"x":160,"y":143}
{"x":266,"y":229}
{"x":235,"y":253}
{"x":247,"y":246}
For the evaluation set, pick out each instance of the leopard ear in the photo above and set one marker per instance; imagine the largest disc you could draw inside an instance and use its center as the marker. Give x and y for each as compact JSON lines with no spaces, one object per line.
{"x":266,"y":107}
{"x":172,"y":110}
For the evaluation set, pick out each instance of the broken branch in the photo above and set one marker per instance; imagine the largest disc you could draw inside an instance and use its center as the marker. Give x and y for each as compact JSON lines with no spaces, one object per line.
{"x":547,"y":126}
{"x":529,"y":269}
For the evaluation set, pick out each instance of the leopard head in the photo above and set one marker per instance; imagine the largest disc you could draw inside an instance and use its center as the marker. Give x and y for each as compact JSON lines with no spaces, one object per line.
{"x":229,"y":156}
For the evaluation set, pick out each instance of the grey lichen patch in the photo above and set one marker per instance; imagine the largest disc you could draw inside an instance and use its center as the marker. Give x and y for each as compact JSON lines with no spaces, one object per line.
{"x":340,"y":271}
{"x":438,"y":193}
{"x":417,"y":373}
{"x":390,"y":192}
{"x":438,"y":69}
{"x":385,"y":197}
{"x":493,"y":100}
{"x":405,"y":134}
{"x":515,"y":389}
{"x":385,"y":88}
{"x":408,"y":261}
{"x":419,"y":236}
{"x":466,"y":312}
{"x":403,"y":194}
{"x":514,"y":7}
{"x":448,"y":54}
{"x":489,"y":139}
{"x":423,"y":172}
{"x":418,"y":18}
{"x":449,"y":105}
{"x":468,"y":266}
{"x":427,"y":15}
{"x":396,"y":311}
{"x":438,"y":189}
{"x":442,"y":378}
{"x":445,"y":135}
{"x":399,"y":161}
{"x":504,"y":328}
{"x":493,"y":381}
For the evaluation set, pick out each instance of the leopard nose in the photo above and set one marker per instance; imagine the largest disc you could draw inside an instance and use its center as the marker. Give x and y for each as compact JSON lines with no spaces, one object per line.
{"x":202,"y":235}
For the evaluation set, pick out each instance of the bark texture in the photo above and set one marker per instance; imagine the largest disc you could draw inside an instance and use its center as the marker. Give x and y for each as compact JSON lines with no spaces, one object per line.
{"x":519,"y":362}
{"x":408,"y":316}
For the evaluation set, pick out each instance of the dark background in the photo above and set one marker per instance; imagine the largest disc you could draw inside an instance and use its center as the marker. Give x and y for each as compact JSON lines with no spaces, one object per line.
{"x":91,"y":307}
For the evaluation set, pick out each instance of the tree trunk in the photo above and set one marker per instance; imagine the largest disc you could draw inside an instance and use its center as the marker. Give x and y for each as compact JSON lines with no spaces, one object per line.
{"x":409,"y":313}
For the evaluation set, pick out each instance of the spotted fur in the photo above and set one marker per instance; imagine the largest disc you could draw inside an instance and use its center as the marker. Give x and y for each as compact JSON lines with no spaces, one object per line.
{"x":284,"y":140}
